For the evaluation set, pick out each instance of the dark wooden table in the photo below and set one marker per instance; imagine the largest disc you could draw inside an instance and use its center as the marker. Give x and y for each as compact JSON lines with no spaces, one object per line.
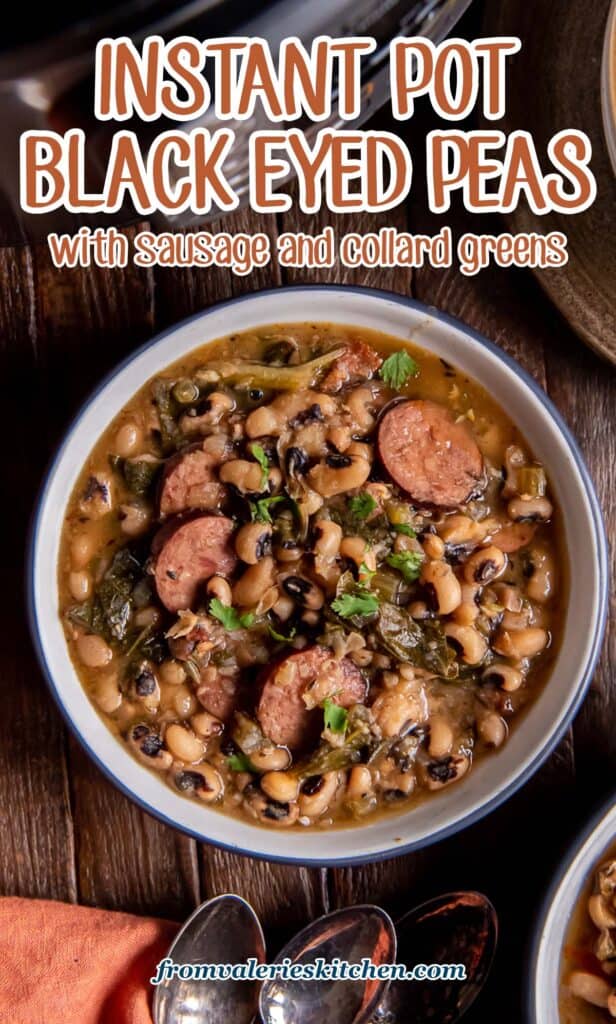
{"x":65,"y":833}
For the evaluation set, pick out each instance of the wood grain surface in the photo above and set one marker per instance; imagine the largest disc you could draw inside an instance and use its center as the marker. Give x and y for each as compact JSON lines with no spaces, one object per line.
{"x":65,"y":832}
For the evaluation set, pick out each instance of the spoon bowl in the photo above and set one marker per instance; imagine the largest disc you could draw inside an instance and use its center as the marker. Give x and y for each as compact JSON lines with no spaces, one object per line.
{"x":353,"y":934}
{"x":459,"y":928}
{"x":225,"y":930}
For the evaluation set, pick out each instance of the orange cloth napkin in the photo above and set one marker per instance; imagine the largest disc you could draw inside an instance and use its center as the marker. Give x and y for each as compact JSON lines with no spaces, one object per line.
{"x":63,"y":964}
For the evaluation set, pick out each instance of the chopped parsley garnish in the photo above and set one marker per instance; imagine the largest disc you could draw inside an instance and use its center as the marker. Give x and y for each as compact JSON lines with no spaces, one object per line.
{"x":260,"y":510}
{"x":362,"y":505}
{"x":408,"y":563}
{"x":335,"y":718}
{"x":397,"y":369}
{"x":359,"y":602}
{"x":259,"y":454}
{"x":279,"y":637}
{"x":239,"y":763}
{"x":365,"y":572}
{"x":229,"y":616}
{"x":404,"y":528}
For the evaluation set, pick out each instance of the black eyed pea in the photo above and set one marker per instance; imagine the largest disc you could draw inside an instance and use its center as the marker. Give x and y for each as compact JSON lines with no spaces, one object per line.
{"x":145,"y":688}
{"x":148,"y":745}
{"x":269,"y":811}
{"x":441,"y":737}
{"x":280,"y":786}
{"x":461,"y":530}
{"x":359,"y":551}
{"x":521,"y":643}
{"x":107,"y":693}
{"x":485,"y":564}
{"x":270,"y":758}
{"x":253,"y":542}
{"x":82,"y":549}
{"x":262,"y":422}
{"x":183,"y":744}
{"x":148,"y":616}
{"x":530,"y":510}
{"x":184,"y":701}
{"x":418,"y":610}
{"x":316,"y":794}
{"x":206,"y":725}
{"x":284,"y":607}
{"x":467,"y":611}
{"x":504,"y":676}
{"x":304,"y":592}
{"x":397,"y":784}
{"x":97,"y":497}
{"x":128,"y":439}
{"x":442,"y":586}
{"x":600,"y":913}
{"x":492,"y":729}
{"x":358,"y":402}
{"x":203,"y":782}
{"x":80,"y":584}
{"x":92,"y":650}
{"x":467,"y":641}
{"x":590,"y":987}
{"x":218,"y":587}
{"x":445,"y":771}
{"x":245,"y":476}
{"x":339,"y":473}
{"x":251,"y":586}
{"x":172,"y":672}
{"x":328,"y":537}
{"x":399,"y":706}
{"x":540,"y":585}
{"x":359,"y":786}
{"x":433,"y":546}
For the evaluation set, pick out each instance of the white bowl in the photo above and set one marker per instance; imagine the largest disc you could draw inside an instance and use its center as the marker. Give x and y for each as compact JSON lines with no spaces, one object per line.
{"x":494,"y":778}
{"x":554,"y":919}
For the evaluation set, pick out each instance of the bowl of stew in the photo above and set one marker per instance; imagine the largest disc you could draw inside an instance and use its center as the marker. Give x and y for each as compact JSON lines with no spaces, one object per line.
{"x":307,"y":577}
{"x":573,"y":979}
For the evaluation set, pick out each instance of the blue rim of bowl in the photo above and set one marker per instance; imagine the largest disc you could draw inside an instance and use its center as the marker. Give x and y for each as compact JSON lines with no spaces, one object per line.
{"x":585,"y":675}
{"x":566,"y":861}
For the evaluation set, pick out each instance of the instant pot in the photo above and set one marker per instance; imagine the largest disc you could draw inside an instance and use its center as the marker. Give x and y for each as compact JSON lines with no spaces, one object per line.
{"x":46,"y":75}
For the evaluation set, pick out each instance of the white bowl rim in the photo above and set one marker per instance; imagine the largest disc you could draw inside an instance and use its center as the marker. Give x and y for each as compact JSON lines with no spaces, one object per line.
{"x":552,"y":737}
{"x":603,"y":819}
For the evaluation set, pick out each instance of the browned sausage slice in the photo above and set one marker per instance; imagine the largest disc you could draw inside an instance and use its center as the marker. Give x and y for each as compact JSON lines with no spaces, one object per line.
{"x":187,"y":553}
{"x":282,"y":712}
{"x":219,"y":696}
{"x":435,"y":460}
{"x":357,"y":361}
{"x":189,"y":482}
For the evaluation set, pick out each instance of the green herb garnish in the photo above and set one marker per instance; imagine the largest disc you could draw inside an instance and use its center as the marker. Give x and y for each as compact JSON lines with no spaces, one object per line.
{"x":239,"y":763}
{"x":358,"y":602}
{"x":366,"y":572}
{"x":397,"y":369}
{"x":260,"y":510}
{"x":229,"y":616}
{"x":279,"y":637}
{"x":404,"y":528}
{"x":258,"y":452}
{"x":362,"y":505}
{"x":335,"y":718}
{"x":408,"y":563}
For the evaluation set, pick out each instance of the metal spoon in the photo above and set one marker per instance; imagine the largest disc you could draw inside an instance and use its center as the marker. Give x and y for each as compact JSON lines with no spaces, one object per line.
{"x":351,"y":934}
{"x":225,"y":930}
{"x":458,"y":928}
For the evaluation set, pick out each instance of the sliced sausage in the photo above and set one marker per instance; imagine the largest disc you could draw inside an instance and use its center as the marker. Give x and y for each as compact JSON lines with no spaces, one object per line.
{"x":188,"y":552}
{"x":189,"y":483}
{"x":357,"y":362}
{"x":219,"y":696}
{"x":435,"y":460}
{"x":282,"y":712}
